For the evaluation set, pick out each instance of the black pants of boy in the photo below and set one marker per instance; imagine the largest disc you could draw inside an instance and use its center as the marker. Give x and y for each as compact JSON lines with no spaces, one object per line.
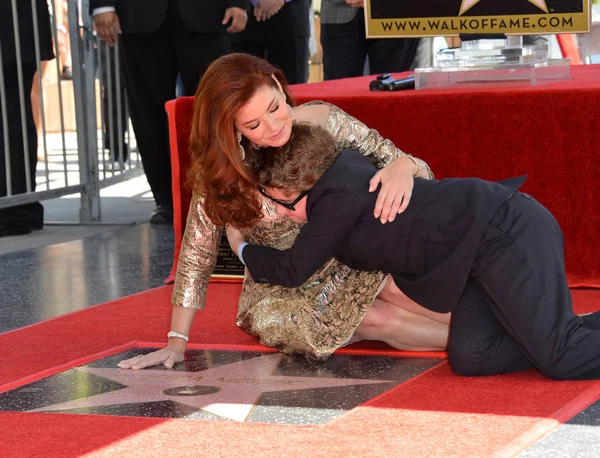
{"x":516,"y":311}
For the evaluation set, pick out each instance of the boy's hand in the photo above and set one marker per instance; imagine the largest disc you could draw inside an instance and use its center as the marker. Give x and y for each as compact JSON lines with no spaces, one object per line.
{"x":235,"y":238}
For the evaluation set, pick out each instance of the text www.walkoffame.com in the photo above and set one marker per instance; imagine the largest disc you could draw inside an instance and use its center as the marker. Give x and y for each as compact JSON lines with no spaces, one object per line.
{"x":488,"y":25}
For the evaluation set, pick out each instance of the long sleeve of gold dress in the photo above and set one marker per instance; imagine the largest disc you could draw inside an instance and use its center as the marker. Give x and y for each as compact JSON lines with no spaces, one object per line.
{"x":314,"y":319}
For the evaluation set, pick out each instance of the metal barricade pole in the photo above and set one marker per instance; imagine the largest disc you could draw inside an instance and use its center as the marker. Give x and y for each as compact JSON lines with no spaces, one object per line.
{"x":22,"y":96}
{"x":85,"y":109}
{"x":38,"y":64}
{"x":100,"y":53}
{"x":120,"y":102}
{"x":60,"y":95}
{"x":4,"y":128}
{"x":109,"y":88}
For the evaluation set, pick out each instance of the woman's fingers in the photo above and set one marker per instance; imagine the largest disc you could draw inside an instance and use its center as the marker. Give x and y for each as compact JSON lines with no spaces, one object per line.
{"x":143,"y":361}
{"x":374,"y":182}
{"x":166,"y":355}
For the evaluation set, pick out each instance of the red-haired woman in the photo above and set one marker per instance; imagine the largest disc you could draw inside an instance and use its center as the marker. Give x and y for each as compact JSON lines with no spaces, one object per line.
{"x":242,"y":104}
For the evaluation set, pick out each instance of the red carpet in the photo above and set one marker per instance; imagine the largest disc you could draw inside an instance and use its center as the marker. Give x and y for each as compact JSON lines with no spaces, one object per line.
{"x":434,"y":414}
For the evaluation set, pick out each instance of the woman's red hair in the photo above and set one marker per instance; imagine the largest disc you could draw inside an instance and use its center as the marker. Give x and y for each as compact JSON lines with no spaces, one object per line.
{"x":218,"y":172}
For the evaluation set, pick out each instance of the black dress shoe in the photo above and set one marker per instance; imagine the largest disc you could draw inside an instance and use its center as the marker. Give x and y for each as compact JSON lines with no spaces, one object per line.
{"x":162,"y":215}
{"x":34,"y":216}
{"x":21,"y":219}
{"x":14,"y":227}
{"x":31,"y":215}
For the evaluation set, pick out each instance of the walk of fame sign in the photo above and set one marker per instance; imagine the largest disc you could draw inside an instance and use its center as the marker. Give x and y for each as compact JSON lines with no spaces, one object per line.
{"x":432,"y":18}
{"x":223,"y":385}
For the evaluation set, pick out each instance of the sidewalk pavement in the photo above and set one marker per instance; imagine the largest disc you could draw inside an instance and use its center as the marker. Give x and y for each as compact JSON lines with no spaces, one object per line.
{"x":123,"y":204}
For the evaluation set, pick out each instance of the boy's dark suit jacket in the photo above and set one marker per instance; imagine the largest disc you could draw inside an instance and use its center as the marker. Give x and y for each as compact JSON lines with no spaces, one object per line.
{"x":146,"y":16}
{"x":429,"y":248}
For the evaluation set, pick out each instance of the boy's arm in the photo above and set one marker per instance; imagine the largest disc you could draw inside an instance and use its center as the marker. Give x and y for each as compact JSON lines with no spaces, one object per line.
{"x":331,"y":220}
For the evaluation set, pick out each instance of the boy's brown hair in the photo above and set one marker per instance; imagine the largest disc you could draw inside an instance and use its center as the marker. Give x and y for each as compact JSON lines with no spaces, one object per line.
{"x":300,"y":163}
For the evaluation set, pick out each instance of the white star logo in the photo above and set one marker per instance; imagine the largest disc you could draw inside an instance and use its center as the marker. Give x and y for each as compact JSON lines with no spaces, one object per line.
{"x":230,"y":391}
{"x":467,"y":4}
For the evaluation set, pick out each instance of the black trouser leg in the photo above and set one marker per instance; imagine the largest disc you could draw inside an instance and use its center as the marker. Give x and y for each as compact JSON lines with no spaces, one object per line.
{"x":344,"y":49}
{"x":150,"y":71}
{"x":279,"y":40}
{"x":20,"y":218}
{"x":194,"y":53}
{"x":291,"y":56}
{"x":288,"y":54}
{"x":114,"y":140}
{"x":520,"y":266}
{"x":478,"y":343}
{"x":151,"y":63}
{"x":391,"y":54}
{"x":15,"y":130}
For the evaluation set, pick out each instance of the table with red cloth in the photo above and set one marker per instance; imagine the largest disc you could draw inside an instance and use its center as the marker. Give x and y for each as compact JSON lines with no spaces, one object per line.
{"x":550,"y":132}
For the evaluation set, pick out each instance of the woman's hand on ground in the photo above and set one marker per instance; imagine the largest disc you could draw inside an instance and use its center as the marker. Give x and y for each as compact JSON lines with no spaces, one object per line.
{"x":168,"y":356}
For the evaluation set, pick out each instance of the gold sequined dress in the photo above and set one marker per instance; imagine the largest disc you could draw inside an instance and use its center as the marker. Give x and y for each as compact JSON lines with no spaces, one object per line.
{"x":314,"y":319}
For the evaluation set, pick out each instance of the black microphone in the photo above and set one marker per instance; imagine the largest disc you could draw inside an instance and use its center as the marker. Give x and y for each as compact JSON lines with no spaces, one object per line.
{"x":385,"y":82}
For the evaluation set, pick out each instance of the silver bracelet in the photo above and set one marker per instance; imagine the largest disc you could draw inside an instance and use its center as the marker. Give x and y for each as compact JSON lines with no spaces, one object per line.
{"x":181,"y":335}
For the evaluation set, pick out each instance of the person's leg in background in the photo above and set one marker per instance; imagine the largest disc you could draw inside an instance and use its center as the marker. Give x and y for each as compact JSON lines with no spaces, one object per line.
{"x":113,"y":106}
{"x":391,"y":54}
{"x":64,"y":43}
{"x":287,"y":40}
{"x":282,"y":40}
{"x":19,"y":219}
{"x":36,"y":94}
{"x":252,"y":40}
{"x":150,"y":69}
{"x":291,"y":56}
{"x":194,"y":52}
{"x":344,"y":49}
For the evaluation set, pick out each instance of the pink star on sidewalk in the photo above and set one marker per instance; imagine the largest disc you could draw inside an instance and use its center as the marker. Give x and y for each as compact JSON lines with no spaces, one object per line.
{"x":230,"y":391}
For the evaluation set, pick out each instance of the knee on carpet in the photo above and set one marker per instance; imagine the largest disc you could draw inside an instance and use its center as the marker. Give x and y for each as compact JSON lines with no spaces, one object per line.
{"x":463,"y":367}
{"x":466,"y":364}
{"x":557,"y":370}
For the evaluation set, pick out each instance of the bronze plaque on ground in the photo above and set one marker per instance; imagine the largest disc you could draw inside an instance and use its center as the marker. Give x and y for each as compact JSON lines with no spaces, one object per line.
{"x":228,"y":264}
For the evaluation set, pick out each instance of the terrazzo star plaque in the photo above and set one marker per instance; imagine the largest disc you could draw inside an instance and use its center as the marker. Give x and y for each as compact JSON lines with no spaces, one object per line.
{"x":220,"y":385}
{"x":423,"y":18}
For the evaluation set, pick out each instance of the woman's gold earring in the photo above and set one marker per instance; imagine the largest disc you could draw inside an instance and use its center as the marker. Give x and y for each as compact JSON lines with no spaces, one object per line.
{"x":242,"y":151}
